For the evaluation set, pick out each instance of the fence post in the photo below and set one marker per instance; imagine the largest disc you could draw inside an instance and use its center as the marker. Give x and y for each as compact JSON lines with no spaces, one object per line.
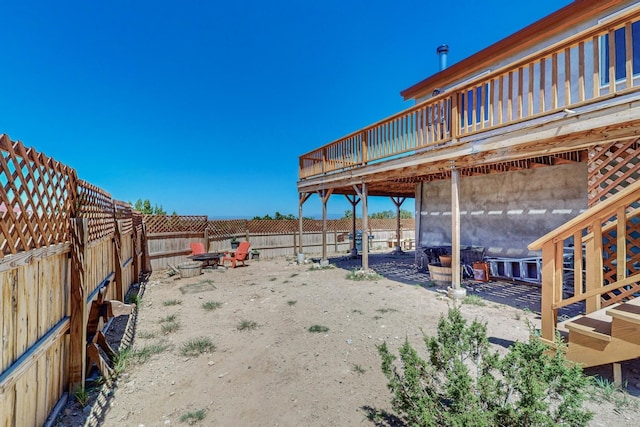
{"x":117,"y":242}
{"x":78,"y":304}
{"x":146,"y":260}
{"x":295,"y":243}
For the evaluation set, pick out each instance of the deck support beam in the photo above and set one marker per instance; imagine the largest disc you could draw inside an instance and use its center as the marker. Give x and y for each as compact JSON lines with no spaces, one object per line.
{"x":354,"y":200}
{"x":398,"y":201}
{"x":302,"y":197}
{"x":324,"y":196}
{"x":455,"y":291}
{"x":361,"y":190}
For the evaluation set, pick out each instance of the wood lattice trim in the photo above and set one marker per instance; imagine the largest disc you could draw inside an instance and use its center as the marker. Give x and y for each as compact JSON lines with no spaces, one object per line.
{"x":124,"y":214}
{"x":173,"y":223}
{"x":97,"y":206}
{"x":611,"y":263}
{"x":612,"y":167}
{"x":229,"y":228}
{"x":36,"y":198}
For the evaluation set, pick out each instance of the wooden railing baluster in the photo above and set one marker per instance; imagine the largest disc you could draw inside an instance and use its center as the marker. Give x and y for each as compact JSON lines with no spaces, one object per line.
{"x":628,"y":37}
{"x":491,"y":102}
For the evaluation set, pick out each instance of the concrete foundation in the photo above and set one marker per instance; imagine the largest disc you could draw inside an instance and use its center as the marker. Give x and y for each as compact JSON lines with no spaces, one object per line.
{"x":503,"y":212}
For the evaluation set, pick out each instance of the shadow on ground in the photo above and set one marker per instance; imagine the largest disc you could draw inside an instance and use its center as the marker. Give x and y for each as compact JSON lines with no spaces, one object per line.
{"x":402,"y":268}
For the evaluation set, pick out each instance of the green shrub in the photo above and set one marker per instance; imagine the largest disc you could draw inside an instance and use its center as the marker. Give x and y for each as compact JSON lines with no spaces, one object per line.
{"x":360,"y":275}
{"x":463,"y":384}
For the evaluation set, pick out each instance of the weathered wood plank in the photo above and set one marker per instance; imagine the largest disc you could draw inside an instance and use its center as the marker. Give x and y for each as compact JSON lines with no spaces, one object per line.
{"x":11,"y":375}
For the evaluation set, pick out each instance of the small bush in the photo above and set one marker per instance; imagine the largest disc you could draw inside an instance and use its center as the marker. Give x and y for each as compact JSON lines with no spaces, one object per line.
{"x":318,"y":328}
{"x":146,"y":334}
{"x":133,"y":299}
{"x":170,"y":327}
{"x":169,"y":319}
{"x":171,"y":302}
{"x":193,"y":417}
{"x":122,"y":360}
{"x":247,"y":325}
{"x":360,"y":275}
{"x":197,"y":346}
{"x":145,"y":353}
{"x":463,"y":384}
{"x":81,"y":394}
{"x":358,"y":369}
{"x":474,"y":300}
{"x":211,"y":305}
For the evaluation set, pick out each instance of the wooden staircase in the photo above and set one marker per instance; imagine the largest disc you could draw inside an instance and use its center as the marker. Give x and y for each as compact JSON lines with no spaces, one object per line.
{"x":605,"y":276}
{"x":608,"y":335}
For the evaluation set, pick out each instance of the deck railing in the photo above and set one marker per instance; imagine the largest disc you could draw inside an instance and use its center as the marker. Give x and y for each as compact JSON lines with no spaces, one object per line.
{"x":581,"y":259}
{"x":592,"y":65}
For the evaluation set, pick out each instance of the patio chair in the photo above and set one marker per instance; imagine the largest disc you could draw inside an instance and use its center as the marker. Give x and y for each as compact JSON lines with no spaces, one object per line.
{"x":241,"y":254}
{"x":197,"y":248}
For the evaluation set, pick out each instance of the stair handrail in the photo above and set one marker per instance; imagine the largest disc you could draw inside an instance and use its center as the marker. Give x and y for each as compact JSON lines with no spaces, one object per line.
{"x":586,"y":228}
{"x":601,"y":210}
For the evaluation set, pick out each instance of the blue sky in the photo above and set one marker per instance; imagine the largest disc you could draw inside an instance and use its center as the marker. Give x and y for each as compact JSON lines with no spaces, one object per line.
{"x":203,"y":107}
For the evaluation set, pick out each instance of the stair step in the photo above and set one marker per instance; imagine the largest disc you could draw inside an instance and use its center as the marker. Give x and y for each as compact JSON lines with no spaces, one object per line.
{"x":594,"y":328}
{"x":627,"y":312}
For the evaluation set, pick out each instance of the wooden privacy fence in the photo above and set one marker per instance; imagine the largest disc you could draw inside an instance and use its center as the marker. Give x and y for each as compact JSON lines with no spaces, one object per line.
{"x":68,"y":254}
{"x":170,"y":235}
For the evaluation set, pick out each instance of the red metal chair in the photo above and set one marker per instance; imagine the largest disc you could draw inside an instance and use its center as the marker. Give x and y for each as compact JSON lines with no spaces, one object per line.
{"x":240,"y":254}
{"x":197,"y":248}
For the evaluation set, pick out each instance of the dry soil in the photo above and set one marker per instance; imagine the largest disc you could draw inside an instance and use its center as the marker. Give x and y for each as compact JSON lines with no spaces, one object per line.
{"x":268,"y":369}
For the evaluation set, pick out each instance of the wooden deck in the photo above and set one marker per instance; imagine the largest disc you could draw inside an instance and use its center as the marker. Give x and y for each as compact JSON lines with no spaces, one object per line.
{"x":540,"y":110}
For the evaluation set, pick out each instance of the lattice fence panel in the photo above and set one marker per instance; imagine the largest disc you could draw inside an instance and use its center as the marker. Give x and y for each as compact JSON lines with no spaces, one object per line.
{"x":632,"y":262}
{"x":36,"y":194}
{"x":124,"y":213}
{"x":97,"y":206}
{"x":611,"y":168}
{"x":137,"y":218}
{"x":175,"y":223}
{"x":228,"y":228}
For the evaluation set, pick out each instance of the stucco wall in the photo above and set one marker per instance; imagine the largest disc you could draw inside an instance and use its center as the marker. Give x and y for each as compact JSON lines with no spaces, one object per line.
{"x":503,"y":212}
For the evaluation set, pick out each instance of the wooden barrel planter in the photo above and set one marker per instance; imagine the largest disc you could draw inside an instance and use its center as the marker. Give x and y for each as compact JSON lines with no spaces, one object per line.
{"x":190,"y":269}
{"x":440,"y":275}
{"x":445,"y":260}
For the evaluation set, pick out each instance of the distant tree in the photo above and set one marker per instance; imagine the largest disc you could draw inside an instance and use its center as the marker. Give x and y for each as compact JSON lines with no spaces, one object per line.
{"x":144,"y":206}
{"x":404,"y":214}
{"x":277,"y":215}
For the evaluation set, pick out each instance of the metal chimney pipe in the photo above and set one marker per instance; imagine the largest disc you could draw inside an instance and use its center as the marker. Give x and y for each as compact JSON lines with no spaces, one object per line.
{"x":442,"y":51}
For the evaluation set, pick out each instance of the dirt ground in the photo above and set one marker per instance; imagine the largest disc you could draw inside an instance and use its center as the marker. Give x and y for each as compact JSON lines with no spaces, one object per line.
{"x":275,"y":372}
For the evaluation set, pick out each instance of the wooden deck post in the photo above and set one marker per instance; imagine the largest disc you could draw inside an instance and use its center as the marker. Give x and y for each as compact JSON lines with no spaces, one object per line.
{"x":456,"y":292}
{"x":354,"y":201}
{"x":398,"y":201}
{"x":78,"y":305}
{"x":362,"y":193}
{"x":595,"y":267}
{"x":548,"y":314}
{"x":302,"y":197}
{"x":324,"y":196}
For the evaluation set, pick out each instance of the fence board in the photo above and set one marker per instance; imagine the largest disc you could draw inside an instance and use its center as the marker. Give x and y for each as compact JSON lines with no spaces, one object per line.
{"x":272,"y":237}
{"x":42,"y":316}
